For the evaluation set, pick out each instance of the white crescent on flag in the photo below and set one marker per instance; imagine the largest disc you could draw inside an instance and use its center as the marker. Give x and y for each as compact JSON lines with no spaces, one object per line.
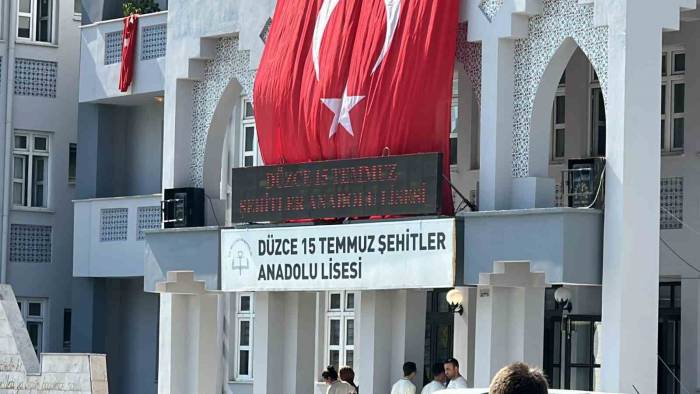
{"x":393,"y":8}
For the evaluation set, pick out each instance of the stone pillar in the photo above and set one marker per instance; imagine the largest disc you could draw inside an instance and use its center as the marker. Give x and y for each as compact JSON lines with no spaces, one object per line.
{"x":391,"y":332}
{"x":284,"y":343}
{"x":464,"y":334}
{"x":509,"y":319}
{"x":190,"y":341}
{"x":496,"y":138}
{"x":631,"y":236}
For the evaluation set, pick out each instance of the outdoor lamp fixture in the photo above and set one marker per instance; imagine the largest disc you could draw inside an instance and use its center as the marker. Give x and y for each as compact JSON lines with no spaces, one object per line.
{"x":562,"y":296}
{"x":454,"y":301}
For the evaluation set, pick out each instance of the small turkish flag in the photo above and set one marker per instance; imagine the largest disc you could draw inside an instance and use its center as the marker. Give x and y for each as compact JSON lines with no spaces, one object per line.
{"x":350,"y":78}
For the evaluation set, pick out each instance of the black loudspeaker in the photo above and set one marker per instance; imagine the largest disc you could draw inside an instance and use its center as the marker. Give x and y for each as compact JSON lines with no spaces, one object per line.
{"x":183,"y":207}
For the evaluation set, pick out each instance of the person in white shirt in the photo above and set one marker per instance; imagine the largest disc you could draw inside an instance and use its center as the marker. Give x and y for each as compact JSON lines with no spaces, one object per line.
{"x":457,"y":381}
{"x":438,"y":382}
{"x":335,"y":386}
{"x":405,"y":385}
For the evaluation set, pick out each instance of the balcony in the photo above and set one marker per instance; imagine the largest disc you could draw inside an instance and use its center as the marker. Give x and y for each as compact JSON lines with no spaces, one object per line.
{"x":565,"y":243}
{"x":108,"y":236}
{"x":100,"y":60}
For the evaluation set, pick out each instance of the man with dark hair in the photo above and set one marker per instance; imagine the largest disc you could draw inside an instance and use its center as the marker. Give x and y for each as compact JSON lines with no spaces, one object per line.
{"x":457,"y":381}
{"x":438,"y":382}
{"x":405,"y":385}
{"x":519,"y":378}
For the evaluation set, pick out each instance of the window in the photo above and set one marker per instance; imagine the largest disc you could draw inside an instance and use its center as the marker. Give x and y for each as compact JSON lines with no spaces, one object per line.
{"x":34,"y":314}
{"x":67,"y":314}
{"x":597,"y":119}
{"x":245,"y":317}
{"x":35,"y":20}
{"x":672,"y":101}
{"x":249,"y":137}
{"x":77,"y":7}
{"x":72,"y":160}
{"x":559,"y":121}
{"x":454,"y":153}
{"x":340,"y":329}
{"x":30,"y":169}
{"x":669,"y":346}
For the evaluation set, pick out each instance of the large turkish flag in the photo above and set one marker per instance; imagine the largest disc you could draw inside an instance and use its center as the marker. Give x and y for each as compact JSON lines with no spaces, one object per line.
{"x":357,"y":78}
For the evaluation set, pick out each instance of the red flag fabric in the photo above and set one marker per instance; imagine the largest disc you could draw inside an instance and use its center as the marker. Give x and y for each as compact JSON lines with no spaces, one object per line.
{"x":347,"y":78}
{"x":126,"y":71}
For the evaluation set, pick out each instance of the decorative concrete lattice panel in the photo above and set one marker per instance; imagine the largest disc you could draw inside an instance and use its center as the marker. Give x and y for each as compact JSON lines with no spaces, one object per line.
{"x":228,"y":64}
{"x":30,"y":243}
{"x":147,"y":218}
{"x":153,"y":41}
{"x":113,"y":47}
{"x":671,"y":203}
{"x":113,"y":224}
{"x":561,"y":19}
{"x":469,"y":55}
{"x":266,"y":30}
{"x":490,"y":8}
{"x":35,"y":77}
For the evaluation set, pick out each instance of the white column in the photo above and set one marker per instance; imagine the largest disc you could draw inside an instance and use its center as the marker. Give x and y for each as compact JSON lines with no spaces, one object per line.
{"x":631,"y":236}
{"x":464,"y":334}
{"x":189,"y":344}
{"x":496,"y":138}
{"x":509,"y":319}
{"x":391,"y":332}
{"x":284,"y":338}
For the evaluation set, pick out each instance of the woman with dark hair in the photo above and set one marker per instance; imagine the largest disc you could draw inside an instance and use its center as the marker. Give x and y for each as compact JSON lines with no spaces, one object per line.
{"x":335,"y":386}
{"x":347,"y":375}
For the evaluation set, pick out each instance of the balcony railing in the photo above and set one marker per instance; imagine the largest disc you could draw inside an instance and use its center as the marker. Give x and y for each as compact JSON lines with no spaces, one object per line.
{"x":108,"y":236}
{"x":100,"y":59}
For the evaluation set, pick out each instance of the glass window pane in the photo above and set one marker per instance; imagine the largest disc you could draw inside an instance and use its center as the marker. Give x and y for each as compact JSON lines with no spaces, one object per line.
{"x":335,"y":301}
{"x":249,"y":113}
{"x":245,"y":303}
{"x":244,"y":333}
{"x":679,"y":98}
{"x":20,"y":142}
{"x":77,"y":8}
{"x":39,"y":174}
{"x":19,"y":305}
{"x":349,"y":358}
{"x":334,"y":358}
{"x":663,"y":134}
{"x":249,"y":136}
{"x":665,"y":296}
{"x":350,"y":332}
{"x":25,"y":6}
{"x":560,"y":147}
{"x":23,"y":27}
{"x":581,"y":339}
{"x":35,"y":309}
{"x":453,"y":150}
{"x":678,"y":63}
{"x":248,"y":161}
{"x":678,"y":129}
{"x":334,"y":337}
{"x":560,"y":114}
{"x":17,"y":194}
{"x":556,"y":383}
{"x":601,"y":140}
{"x":601,"y":106}
{"x":43,"y":27}
{"x":663,"y":99}
{"x":677,"y":296}
{"x":454,"y":118}
{"x":243,"y":363}
{"x":40,"y":143}
{"x":72,"y":162}
{"x":350,"y":301}
{"x":664,"y":61}
{"x":556,"y":342}
{"x":19,"y":167}
{"x":34,"y":329}
{"x":581,"y":379}
{"x":562,"y":80}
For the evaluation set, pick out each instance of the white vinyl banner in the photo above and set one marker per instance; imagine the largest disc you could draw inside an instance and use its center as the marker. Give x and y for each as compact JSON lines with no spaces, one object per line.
{"x":366,"y":256}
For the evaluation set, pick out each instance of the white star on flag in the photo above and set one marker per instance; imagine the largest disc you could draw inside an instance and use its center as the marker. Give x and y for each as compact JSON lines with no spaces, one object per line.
{"x":341,"y":108}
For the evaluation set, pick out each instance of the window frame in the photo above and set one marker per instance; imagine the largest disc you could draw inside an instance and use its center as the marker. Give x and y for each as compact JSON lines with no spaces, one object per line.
{"x":669,"y":80}
{"x":42,"y":320}
{"x":244,"y":316}
{"x":343,"y":315}
{"x":454,"y":115}
{"x":34,"y":20}
{"x":247,"y":122}
{"x":554,"y":158}
{"x":72,"y":153}
{"x":29,"y":154}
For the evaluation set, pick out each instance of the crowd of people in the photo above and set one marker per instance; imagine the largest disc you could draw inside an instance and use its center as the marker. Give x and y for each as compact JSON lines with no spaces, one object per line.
{"x":517,"y":378}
